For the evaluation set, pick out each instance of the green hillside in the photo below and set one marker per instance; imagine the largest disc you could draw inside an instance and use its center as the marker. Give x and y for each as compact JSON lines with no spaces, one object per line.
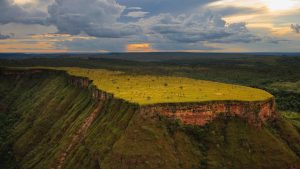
{"x":41,"y":114}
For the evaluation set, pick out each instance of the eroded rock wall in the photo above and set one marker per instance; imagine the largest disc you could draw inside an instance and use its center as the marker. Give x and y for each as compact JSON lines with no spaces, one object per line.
{"x":255,"y":113}
{"x":86,"y":83}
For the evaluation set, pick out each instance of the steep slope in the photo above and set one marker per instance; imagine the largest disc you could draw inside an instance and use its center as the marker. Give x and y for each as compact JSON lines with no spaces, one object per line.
{"x":50,"y":112}
{"x":53,"y":120}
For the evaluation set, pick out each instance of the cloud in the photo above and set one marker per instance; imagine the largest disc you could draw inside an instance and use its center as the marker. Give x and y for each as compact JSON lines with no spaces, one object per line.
{"x":94,"y":17}
{"x":10,"y":12}
{"x":4,"y":36}
{"x":97,"y":44}
{"x":295,"y":28}
{"x":237,"y":32}
{"x":156,"y":7}
{"x":200,"y":27}
{"x":134,"y":8}
{"x":113,"y":24}
{"x":139,"y":47}
{"x":137,"y":14}
{"x":233,"y":10}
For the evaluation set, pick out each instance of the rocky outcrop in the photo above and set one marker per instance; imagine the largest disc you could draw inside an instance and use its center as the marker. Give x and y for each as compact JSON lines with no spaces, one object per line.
{"x":86,"y":83}
{"x":81,"y":82}
{"x":255,"y":113}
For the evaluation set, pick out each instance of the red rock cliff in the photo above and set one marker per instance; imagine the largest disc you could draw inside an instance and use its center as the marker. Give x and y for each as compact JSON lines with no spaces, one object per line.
{"x":255,"y":113}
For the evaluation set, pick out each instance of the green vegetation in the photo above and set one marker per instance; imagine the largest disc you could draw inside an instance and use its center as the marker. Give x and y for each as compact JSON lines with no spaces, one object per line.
{"x":225,"y":143}
{"x":45,"y":112}
{"x":234,"y":144}
{"x":243,"y":69}
{"x":145,"y":89}
{"x":294,"y":117}
{"x":286,"y":100}
{"x":48,"y":112}
{"x":39,"y":115}
{"x":43,"y":106}
{"x":287,"y":86}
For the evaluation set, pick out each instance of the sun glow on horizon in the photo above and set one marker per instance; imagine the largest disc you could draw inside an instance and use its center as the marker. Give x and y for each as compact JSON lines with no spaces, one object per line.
{"x":22,"y":2}
{"x":140,"y":47}
{"x":280,"y":5}
{"x":270,"y":5}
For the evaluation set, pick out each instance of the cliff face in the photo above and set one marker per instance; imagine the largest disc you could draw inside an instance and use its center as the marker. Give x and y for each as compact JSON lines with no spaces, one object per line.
{"x":85,"y":83}
{"x":255,"y":113}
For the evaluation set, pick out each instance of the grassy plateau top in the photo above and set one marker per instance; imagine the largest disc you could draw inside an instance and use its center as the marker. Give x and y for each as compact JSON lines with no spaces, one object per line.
{"x":146,"y":89}
{"x":150,"y":89}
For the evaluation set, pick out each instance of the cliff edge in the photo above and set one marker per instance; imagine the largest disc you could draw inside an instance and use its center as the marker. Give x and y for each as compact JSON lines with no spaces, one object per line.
{"x":201,"y":113}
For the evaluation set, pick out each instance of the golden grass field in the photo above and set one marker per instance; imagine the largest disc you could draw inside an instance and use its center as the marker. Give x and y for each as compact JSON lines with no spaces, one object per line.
{"x":145,"y":89}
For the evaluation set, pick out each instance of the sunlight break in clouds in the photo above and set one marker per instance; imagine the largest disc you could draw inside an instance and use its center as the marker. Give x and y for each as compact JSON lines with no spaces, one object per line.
{"x":139,"y":47}
{"x":22,"y":2}
{"x":259,"y":7}
{"x":271,"y":5}
{"x":267,"y":16}
{"x":279,"y":5}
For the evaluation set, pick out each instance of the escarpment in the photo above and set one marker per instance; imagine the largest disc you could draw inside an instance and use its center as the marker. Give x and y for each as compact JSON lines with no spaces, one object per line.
{"x":200,"y":114}
{"x":64,"y":121}
{"x":85,"y":83}
{"x":255,"y":113}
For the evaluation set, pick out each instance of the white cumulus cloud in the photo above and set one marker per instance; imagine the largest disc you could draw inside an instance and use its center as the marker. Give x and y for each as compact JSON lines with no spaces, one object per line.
{"x":137,"y":14}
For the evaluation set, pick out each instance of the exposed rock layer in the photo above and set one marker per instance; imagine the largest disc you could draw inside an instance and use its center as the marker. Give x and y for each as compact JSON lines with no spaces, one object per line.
{"x":255,"y":113}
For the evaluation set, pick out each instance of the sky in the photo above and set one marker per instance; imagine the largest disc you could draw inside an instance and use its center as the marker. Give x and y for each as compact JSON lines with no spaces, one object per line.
{"x":57,"y":26}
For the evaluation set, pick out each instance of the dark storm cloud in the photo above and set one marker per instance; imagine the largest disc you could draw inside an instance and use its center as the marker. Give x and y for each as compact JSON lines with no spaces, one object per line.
{"x":295,"y":28}
{"x":99,"y":18}
{"x":4,"y":36}
{"x":165,"y":6}
{"x":227,"y":11}
{"x":10,"y":12}
{"x":94,"y":17}
{"x":200,"y":27}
